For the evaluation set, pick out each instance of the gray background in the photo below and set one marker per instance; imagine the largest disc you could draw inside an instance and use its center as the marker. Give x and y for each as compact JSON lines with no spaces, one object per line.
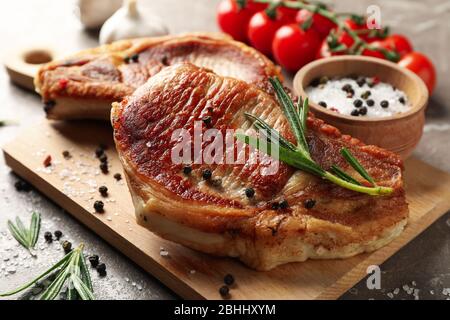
{"x":423,"y":265}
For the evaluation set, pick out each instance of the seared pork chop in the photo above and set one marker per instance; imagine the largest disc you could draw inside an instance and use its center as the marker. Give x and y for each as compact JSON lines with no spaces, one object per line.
{"x":217,"y":214}
{"x":84,"y":85}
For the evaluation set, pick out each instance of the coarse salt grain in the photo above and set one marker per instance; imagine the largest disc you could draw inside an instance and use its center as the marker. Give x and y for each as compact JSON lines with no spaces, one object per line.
{"x":163,"y":252}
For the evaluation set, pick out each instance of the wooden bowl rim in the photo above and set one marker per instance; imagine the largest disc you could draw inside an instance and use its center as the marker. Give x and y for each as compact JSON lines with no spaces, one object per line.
{"x":418,"y":82}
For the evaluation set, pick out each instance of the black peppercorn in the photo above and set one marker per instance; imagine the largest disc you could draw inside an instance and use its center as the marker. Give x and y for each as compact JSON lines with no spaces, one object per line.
{"x":99,"y":152}
{"x":275,"y":206}
{"x":207,"y":121}
{"x":49,"y":105}
{"x":67,"y":246}
{"x":355,"y":112}
{"x":94,"y":260}
{"x":315,"y":82}
{"x":48,"y":236}
{"x":165,"y":60}
{"x":99,"y":206}
{"x":250,"y":192}
{"x":21,"y":185}
{"x":322,"y":104}
{"x":104,"y":167}
{"x":350,"y":93}
{"x":58,"y":234}
{"x":310,"y":203}
{"x":384,"y":104}
{"x":370,"y":103}
{"x":363,"y":111}
{"x":101,"y":269}
{"x":134,"y":57}
{"x":126,"y":59}
{"x":187,"y":170}
{"x":206,"y":174}
{"x":402,"y":100}
{"x":66,"y":154}
{"x":228,"y":279}
{"x":224,"y":291}
{"x":347,"y":87}
{"x":103,"y":191}
{"x":361,"y":81}
{"x":103,"y":158}
{"x":366,"y":94}
{"x":358,"y":103}
{"x":323,"y":80}
{"x":118,"y":176}
{"x":283,"y":204}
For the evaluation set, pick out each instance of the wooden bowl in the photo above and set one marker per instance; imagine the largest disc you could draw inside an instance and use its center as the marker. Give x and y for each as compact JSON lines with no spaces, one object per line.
{"x":399,"y":133}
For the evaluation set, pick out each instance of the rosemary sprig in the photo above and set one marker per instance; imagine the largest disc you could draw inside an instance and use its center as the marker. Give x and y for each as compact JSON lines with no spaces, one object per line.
{"x":356,"y":165}
{"x":26,"y":237}
{"x":72,"y":269}
{"x":299,"y":156}
{"x":343,"y":175}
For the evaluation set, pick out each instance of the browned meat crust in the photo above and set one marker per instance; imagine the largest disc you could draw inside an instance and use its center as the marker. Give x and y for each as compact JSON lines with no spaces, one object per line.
{"x":97,"y":77}
{"x":219,"y":218}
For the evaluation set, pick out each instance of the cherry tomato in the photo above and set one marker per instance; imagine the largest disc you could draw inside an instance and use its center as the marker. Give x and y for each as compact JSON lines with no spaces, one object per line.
{"x":289,"y":14}
{"x":262,"y":27}
{"x":335,"y":45}
{"x":321,"y":24}
{"x":294,"y":47}
{"x":421,"y":65}
{"x":398,"y":43}
{"x":233,"y":19}
{"x":373,"y":53}
{"x":358,"y":24}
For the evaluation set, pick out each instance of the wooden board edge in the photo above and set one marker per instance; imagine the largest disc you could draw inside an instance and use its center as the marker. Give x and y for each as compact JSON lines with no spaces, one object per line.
{"x":355,"y":275}
{"x":179,"y":285}
{"x":149,"y":265}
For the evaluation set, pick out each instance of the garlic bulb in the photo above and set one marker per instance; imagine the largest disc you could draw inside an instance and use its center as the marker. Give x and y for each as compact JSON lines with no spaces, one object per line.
{"x":128,"y":22}
{"x":93,"y":13}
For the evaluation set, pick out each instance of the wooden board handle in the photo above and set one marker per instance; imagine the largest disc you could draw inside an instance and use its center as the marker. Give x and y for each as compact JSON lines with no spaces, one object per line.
{"x":23,"y":64}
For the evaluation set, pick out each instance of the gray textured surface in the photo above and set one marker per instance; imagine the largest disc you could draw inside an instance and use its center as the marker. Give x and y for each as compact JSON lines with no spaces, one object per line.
{"x":425,"y":261}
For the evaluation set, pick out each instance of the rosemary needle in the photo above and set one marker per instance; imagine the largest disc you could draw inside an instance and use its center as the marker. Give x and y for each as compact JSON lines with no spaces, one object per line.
{"x":26,"y":237}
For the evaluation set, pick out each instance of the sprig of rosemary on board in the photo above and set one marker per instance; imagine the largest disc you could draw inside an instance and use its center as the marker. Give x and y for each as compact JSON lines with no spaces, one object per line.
{"x":71,"y":271}
{"x":299,"y":156}
{"x":26,"y":237}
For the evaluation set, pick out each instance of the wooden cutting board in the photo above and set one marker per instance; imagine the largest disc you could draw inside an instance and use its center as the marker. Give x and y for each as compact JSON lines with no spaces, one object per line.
{"x":73,"y":185}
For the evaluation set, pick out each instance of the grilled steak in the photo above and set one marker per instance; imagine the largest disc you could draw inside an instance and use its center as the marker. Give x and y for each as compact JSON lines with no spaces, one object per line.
{"x":84,"y":85}
{"x":234,"y":209}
